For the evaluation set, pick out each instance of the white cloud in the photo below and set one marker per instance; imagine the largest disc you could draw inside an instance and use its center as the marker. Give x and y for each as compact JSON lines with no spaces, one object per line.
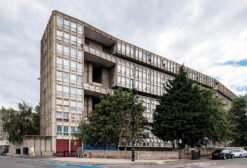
{"x":199,"y":33}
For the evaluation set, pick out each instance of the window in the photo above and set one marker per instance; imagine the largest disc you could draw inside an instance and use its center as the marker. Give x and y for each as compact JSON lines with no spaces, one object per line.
{"x":119,"y":68}
{"x":73,"y":105}
{"x":59,"y":35}
{"x":79,"y":41}
{"x":66,"y":50}
{"x":119,"y":80}
{"x":131,"y":51}
{"x":66,"y":76}
{"x":73,"y":26}
{"x":59,"y":130}
{"x":66,"y":90}
{"x":123,"y":47}
{"x":127,"y":70}
{"x":59,"y":62}
{"x":66,"y":116}
{"x":65,"y":131}
{"x":59,"y":48}
{"x":123,"y":80}
{"x":72,"y":77}
{"x":140,"y":54}
{"x":78,"y":130}
{"x":73,"y":39}
{"x":66,"y":37}
{"x":79,"y":92}
{"x":119,"y":46}
{"x":79,"y":67}
{"x":66,"y":63}
{"x":73,"y":52}
{"x":79,"y":106}
{"x":73,"y":65}
{"x":73,"y":92}
{"x":66,"y":23}
{"x":72,"y":130}
{"x":137,"y":53}
{"x":148,"y":58}
{"x":59,"y":115}
{"x":59,"y":75}
{"x":59,"y":21}
{"x":73,"y":117}
{"x":79,"y":78}
{"x":144,"y":57}
{"x":79,"y":54}
{"x":59,"y":89}
{"x":123,"y":69}
{"x":127,"y":49}
{"x":79,"y":28}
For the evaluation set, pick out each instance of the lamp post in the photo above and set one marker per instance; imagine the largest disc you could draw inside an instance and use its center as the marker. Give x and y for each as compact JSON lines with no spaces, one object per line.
{"x":134,"y":92}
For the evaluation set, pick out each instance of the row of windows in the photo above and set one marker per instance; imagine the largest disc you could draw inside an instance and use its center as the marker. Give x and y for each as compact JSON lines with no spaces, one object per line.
{"x":156,"y":60}
{"x":72,"y":103}
{"x":66,"y":91}
{"x":66,"y":64}
{"x":69,"y":38}
{"x":140,"y":85}
{"x":69,"y":51}
{"x":141,"y":55}
{"x":65,"y":116}
{"x":66,"y":23}
{"x":64,"y":130}
{"x":126,"y":68}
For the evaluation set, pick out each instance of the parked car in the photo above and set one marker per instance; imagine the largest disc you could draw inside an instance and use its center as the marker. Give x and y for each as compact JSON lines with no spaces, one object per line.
{"x":239,"y":153}
{"x":222,"y":154}
{"x":3,"y":153}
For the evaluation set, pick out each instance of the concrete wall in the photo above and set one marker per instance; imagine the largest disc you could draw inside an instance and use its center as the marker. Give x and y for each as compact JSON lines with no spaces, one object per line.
{"x":42,"y":145}
{"x":186,"y":153}
{"x":139,"y":155}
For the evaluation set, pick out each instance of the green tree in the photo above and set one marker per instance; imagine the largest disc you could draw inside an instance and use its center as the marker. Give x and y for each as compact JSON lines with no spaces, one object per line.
{"x":18,"y":123}
{"x":238,"y":121}
{"x":188,"y":112}
{"x":111,"y":121}
{"x":36,"y":121}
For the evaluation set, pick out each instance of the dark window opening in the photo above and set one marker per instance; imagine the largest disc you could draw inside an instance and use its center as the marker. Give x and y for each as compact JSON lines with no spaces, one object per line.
{"x":97,"y":74}
{"x":96,"y":100}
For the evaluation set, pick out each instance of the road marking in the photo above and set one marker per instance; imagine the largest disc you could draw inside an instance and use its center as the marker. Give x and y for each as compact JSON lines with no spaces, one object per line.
{"x":201,"y":164}
{"x":73,"y":165}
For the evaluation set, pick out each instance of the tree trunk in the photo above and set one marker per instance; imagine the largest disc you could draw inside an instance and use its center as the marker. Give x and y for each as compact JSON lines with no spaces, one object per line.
{"x":173,"y":145}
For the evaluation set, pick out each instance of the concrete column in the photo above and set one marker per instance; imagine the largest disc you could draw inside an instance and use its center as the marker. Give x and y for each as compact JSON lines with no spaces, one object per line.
{"x":90,"y":72}
{"x":69,"y":145}
{"x":105,"y":77}
{"x":90,"y":104}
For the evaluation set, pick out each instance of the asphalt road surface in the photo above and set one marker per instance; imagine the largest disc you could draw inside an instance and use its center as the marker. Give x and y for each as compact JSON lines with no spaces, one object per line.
{"x":12,"y":162}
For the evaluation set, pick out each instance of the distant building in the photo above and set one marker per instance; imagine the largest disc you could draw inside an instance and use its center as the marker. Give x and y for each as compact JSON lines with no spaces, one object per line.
{"x":80,"y":62}
{"x":4,"y":143}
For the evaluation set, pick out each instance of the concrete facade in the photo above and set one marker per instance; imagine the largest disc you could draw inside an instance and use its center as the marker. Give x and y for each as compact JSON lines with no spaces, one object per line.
{"x":80,"y":62}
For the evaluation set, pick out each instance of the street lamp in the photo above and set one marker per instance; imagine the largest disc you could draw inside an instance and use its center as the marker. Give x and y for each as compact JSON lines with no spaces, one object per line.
{"x":134,"y":92}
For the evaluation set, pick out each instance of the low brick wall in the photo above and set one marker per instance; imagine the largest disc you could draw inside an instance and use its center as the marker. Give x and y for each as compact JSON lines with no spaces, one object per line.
{"x":139,"y":155}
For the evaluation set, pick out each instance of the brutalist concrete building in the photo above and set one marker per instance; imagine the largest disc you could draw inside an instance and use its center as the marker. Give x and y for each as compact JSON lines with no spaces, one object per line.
{"x":80,"y":62}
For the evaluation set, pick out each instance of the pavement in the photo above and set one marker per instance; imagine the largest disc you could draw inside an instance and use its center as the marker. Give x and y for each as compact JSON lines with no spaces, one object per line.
{"x":63,"y":162}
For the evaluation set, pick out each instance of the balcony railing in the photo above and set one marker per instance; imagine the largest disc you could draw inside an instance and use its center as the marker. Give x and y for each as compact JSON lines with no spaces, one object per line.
{"x":100,"y":54}
{"x":95,"y":88}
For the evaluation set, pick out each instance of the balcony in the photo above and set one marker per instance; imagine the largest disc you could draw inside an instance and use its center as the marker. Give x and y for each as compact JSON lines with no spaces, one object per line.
{"x":96,"y":89}
{"x":97,"y":56}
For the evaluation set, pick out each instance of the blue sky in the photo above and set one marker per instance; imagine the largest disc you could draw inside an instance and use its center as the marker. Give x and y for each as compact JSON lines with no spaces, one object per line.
{"x":207,"y":35}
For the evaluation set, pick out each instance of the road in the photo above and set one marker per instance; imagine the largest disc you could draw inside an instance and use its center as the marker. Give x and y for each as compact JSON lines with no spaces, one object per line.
{"x":12,"y":162}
